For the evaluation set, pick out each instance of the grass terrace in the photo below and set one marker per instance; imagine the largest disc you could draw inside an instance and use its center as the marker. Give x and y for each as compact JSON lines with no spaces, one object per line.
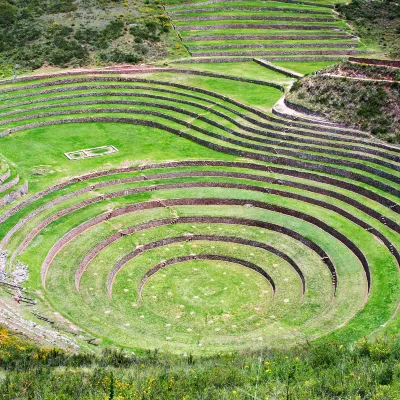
{"x":216,"y":227}
{"x":189,"y":228}
{"x":282,"y":30}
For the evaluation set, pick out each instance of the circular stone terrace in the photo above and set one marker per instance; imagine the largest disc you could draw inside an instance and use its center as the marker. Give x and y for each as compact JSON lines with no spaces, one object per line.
{"x":233,"y":228}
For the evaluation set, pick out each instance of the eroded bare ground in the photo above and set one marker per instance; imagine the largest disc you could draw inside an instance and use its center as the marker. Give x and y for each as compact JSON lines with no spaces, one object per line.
{"x":12,"y":316}
{"x":22,"y":314}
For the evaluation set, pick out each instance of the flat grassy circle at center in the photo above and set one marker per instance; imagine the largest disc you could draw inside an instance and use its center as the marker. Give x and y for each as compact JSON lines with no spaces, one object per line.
{"x":201,"y":291}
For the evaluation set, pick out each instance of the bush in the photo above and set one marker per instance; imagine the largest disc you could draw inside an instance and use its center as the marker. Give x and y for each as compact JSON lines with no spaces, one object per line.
{"x":28,"y":39}
{"x":88,"y":35}
{"x":378,"y":21}
{"x":359,"y":104}
{"x":113,"y":30}
{"x":7,"y":14}
{"x":119,"y":56}
{"x":66,"y":51}
{"x":319,"y":371}
{"x":142,"y":49}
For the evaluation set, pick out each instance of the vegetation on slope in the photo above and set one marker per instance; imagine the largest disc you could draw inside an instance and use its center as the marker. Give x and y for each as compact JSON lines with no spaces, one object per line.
{"x":364,"y":71}
{"x":376,"y":22}
{"x":364,"y":104}
{"x":71,"y":33}
{"x":328,"y":370}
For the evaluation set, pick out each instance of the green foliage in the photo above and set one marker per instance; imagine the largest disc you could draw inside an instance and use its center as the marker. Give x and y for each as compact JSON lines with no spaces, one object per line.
{"x":31,"y":33}
{"x":150,"y":30}
{"x":364,"y":105}
{"x":117,"y":56}
{"x":113,"y":30}
{"x":377,"y":21}
{"x":67,"y":51}
{"x":363,"y":71}
{"x":324,"y":371}
{"x":7,"y":14}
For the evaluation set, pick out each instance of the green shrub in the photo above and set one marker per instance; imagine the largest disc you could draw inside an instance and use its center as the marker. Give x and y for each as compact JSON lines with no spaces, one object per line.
{"x":7,"y":14}
{"x":117,"y":55}
{"x":318,"y":371}
{"x":113,"y":30}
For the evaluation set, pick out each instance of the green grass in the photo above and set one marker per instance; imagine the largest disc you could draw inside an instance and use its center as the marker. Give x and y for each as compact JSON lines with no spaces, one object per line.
{"x":304,"y":67}
{"x":244,"y":314}
{"x":329,"y":25}
{"x":308,"y":373}
{"x":67,"y":256}
{"x":249,"y":13}
{"x":203,"y":34}
{"x":120,"y":297}
{"x":290,"y":51}
{"x":88,"y":244}
{"x":230,"y":336}
{"x":264,"y":42}
{"x":46,"y":146}
{"x":192,"y":5}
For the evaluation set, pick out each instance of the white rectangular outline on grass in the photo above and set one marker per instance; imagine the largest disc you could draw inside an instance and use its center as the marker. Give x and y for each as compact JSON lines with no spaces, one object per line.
{"x":88,"y":153}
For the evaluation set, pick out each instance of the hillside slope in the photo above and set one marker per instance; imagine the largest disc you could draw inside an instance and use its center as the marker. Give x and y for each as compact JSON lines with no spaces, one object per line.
{"x":326,"y":371}
{"x":75,"y":33}
{"x":359,"y":96}
{"x":377,"y":22}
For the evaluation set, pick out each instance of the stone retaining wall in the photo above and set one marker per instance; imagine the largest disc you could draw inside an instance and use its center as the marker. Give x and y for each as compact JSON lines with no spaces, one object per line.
{"x":208,"y":201}
{"x":180,"y":86}
{"x":249,"y":59}
{"x":277,"y":53}
{"x":10,"y":197}
{"x":278,"y":159}
{"x":215,"y":257}
{"x":280,"y":70}
{"x":219,"y":126}
{"x":5,"y":176}
{"x":257,"y":26}
{"x":298,"y":118}
{"x":325,"y":192}
{"x":271,"y":134}
{"x":259,"y":37}
{"x":108,"y":78}
{"x":374,"y":61}
{"x":302,"y":109}
{"x":213,"y":60}
{"x":9,"y":184}
{"x":251,"y":17}
{"x":139,"y":250}
{"x":268,"y":45}
{"x":212,"y":94}
{"x":303,"y":175}
{"x":151,"y":224}
{"x":280,"y":151}
{"x":205,"y":3}
{"x":276,"y":9}
{"x":248,"y":187}
{"x":224,"y":98}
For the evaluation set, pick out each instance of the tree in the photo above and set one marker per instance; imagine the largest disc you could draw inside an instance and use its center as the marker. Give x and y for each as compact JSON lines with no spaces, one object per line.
{"x":7,"y":14}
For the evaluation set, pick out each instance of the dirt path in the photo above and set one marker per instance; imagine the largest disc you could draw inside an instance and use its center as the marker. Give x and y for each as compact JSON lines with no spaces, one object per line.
{"x":359,"y":79}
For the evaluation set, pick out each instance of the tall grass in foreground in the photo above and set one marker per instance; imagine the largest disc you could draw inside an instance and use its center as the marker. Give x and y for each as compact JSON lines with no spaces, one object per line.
{"x":365,"y":370}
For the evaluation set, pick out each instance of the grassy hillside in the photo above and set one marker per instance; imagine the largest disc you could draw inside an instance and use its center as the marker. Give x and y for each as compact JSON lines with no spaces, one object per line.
{"x":377,"y":22}
{"x":75,"y":33}
{"x":367,"y":370}
{"x":361,"y":96}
